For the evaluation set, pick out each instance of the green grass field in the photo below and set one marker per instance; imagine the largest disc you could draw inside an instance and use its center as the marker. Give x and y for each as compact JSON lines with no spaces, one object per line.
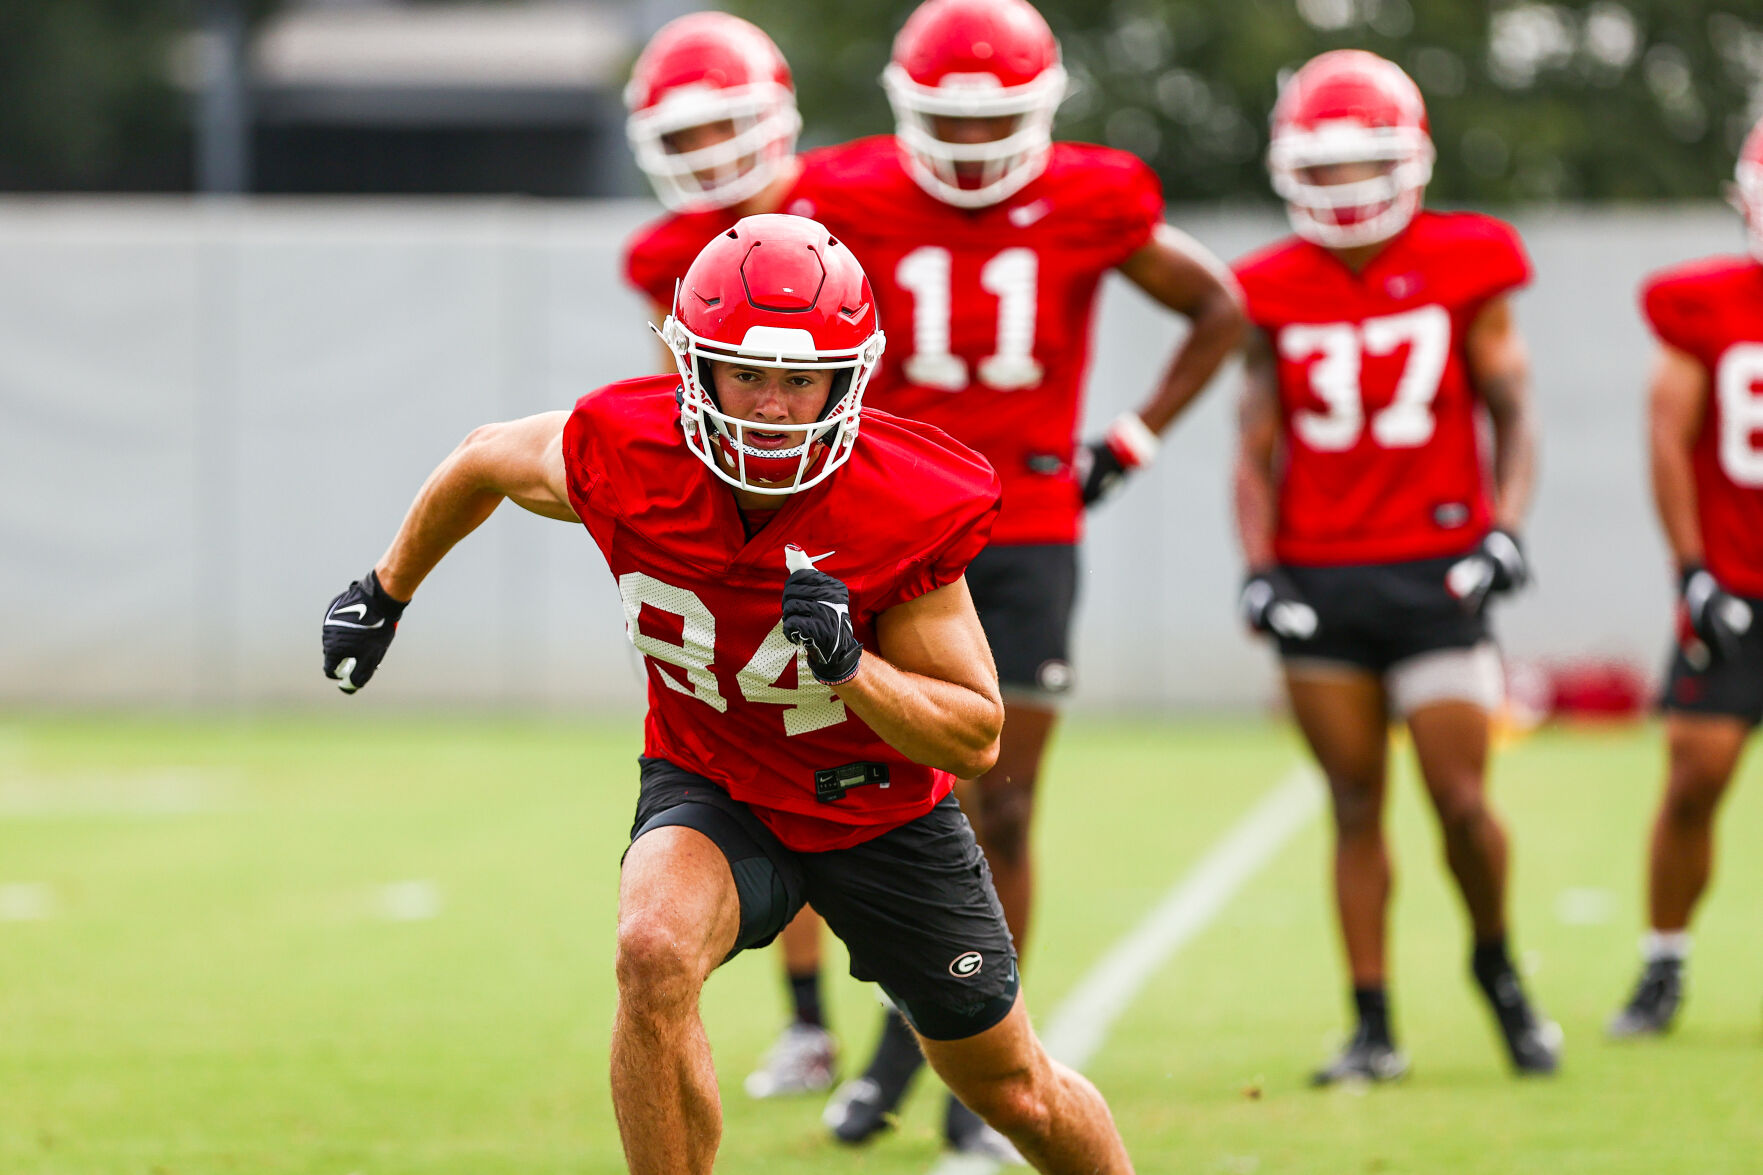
{"x":353,"y":945}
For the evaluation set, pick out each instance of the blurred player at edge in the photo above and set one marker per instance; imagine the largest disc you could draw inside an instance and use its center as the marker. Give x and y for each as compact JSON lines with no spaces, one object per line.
{"x":713,"y":124}
{"x":749,"y":524}
{"x":1706,"y":407}
{"x":1372,"y":536}
{"x":987,"y":243}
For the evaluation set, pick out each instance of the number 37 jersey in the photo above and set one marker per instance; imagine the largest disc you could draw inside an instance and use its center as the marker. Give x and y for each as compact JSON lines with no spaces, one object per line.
{"x":730,"y":698}
{"x":1381,"y":449}
{"x":1713,"y":311}
{"x":988,"y":311}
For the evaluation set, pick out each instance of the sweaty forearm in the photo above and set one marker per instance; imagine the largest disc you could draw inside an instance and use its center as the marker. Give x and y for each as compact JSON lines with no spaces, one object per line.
{"x":452,"y":503}
{"x":1217,"y":330}
{"x":930,"y":721}
{"x":1674,"y":496}
{"x":1515,"y":458}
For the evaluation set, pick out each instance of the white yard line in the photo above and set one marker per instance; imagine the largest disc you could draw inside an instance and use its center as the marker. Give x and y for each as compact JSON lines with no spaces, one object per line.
{"x":1080,"y":1025}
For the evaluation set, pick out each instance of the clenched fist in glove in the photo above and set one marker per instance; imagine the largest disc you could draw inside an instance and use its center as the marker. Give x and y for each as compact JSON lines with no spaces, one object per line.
{"x":1497,"y":565}
{"x":1717,"y":617}
{"x":817,"y":616}
{"x":1271,"y":603}
{"x":358,"y":628}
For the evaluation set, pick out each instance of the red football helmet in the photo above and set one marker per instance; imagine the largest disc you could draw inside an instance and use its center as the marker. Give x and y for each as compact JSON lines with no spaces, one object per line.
{"x":773,"y":291}
{"x":710,"y":67}
{"x":1748,"y":190}
{"x":975,"y":59}
{"x":1350,"y":106}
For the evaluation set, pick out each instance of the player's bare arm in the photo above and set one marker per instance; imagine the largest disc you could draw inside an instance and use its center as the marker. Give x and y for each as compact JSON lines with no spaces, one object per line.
{"x":1499,"y":366}
{"x":520,"y":460}
{"x":1677,"y":399}
{"x":1183,"y":275}
{"x":1255,"y":491}
{"x":931,"y":690}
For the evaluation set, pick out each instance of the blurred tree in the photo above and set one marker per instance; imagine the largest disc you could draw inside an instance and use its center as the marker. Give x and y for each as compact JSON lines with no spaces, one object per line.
{"x":1610,"y":99}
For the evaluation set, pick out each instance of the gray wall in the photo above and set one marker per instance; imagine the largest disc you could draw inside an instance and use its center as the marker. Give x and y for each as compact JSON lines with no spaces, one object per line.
{"x":213,"y":415}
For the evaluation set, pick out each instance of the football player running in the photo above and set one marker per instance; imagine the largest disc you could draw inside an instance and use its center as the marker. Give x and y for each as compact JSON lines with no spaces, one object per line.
{"x":1373,"y":538}
{"x":713,"y":124}
{"x":987,"y":242}
{"x":1705,"y":407}
{"x":818,"y":679}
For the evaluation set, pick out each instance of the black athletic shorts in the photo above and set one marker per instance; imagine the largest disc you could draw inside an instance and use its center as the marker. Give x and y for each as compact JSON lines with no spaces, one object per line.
{"x":1732,"y":686}
{"x":914,"y":906}
{"x":1024,"y":596}
{"x":1380,"y":614}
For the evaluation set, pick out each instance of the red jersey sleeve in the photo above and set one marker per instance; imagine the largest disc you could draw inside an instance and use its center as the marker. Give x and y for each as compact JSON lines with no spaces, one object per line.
{"x":1673,"y":311}
{"x":1497,"y":262}
{"x":1128,"y":203}
{"x":960,"y":494}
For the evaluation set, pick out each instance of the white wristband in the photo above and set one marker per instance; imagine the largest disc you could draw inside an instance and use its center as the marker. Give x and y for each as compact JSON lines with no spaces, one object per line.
{"x":1130,"y":437}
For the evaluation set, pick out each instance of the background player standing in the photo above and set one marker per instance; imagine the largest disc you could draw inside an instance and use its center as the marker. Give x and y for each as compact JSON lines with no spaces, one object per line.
{"x":1705,"y":409}
{"x":822,"y":768}
{"x":1372,"y":536}
{"x":987,"y":243}
{"x":713,"y":125}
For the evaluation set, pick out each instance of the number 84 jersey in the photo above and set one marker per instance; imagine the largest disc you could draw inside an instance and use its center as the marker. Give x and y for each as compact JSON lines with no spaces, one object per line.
{"x":1713,"y":311}
{"x":988,"y":310}
{"x":1382,"y":455}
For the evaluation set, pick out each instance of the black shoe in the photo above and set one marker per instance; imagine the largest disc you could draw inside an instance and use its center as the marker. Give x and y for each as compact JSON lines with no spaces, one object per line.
{"x":1653,"y":1006}
{"x":1363,"y":1059}
{"x":864,"y":1107}
{"x":1533,"y":1041}
{"x":967,"y":1134}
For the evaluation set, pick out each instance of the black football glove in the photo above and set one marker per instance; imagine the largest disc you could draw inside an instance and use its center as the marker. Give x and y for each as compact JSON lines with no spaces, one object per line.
{"x":1716,"y":618}
{"x":358,"y":629}
{"x":1271,"y":603}
{"x":1102,"y":465}
{"x":1497,"y":565}
{"x":817,"y":616}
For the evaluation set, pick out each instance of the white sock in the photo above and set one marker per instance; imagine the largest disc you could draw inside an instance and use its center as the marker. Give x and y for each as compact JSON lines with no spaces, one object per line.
{"x":1660,"y":944}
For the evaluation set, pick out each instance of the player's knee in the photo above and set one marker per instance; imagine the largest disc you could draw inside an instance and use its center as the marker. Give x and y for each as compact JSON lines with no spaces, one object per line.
{"x":655,"y":966}
{"x":1357,"y":811}
{"x":1016,"y":1106}
{"x":1006,"y":814}
{"x":1693,"y":796}
{"x":1462,"y":811}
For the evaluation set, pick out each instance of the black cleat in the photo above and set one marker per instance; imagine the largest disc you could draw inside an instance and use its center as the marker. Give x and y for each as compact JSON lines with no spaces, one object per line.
{"x":1533,"y":1041}
{"x":1362,"y":1060}
{"x":866,"y":1106}
{"x":1653,"y":1006}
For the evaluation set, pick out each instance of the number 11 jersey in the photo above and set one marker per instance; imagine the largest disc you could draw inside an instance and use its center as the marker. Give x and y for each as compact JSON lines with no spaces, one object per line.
{"x":1382,"y":457}
{"x":988,"y":311}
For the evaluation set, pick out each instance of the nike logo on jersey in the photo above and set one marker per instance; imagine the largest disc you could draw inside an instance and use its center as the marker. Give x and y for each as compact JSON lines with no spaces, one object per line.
{"x":1024,"y":215}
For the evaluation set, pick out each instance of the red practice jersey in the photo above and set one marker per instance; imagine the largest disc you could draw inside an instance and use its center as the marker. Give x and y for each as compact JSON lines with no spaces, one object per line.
{"x":1383,"y":460}
{"x":729,"y":697}
{"x":988,"y":311}
{"x":658,"y":254}
{"x":1713,"y":310}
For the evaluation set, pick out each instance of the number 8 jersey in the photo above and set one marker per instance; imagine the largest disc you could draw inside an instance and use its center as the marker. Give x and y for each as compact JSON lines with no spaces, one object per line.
{"x":1382,"y":453}
{"x":1713,"y":311}
{"x":988,"y":310}
{"x":729,"y":697}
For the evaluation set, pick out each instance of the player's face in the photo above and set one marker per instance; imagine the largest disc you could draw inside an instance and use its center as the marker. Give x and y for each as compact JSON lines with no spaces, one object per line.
{"x":771,"y":395}
{"x":968,"y":131}
{"x":1358,"y":171}
{"x":701,"y":137}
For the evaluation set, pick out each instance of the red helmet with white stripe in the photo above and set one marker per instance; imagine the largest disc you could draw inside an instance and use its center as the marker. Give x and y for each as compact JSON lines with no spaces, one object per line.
{"x":1748,"y":189}
{"x":1342,"y":108}
{"x":703,"y":70}
{"x":773,"y":291}
{"x":975,"y":59}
